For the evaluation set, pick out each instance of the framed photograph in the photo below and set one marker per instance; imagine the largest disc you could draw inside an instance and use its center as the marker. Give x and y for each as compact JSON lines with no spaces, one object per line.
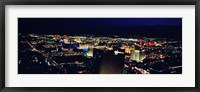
{"x":99,"y":45}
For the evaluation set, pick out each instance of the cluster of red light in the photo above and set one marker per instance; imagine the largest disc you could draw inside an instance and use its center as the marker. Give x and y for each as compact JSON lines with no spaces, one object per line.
{"x":150,"y":44}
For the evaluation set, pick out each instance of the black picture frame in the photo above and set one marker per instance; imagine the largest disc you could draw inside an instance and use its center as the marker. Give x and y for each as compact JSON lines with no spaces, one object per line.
{"x":3,"y":3}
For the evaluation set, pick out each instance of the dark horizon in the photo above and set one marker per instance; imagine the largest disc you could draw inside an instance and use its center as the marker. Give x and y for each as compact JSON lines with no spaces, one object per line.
{"x":149,"y":27}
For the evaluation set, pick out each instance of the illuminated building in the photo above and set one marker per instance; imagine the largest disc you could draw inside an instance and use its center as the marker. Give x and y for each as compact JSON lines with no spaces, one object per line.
{"x":128,"y":49}
{"x":64,"y":36}
{"x":142,"y":55}
{"x":131,"y":39}
{"x":152,"y":44}
{"x":66,"y":41}
{"x":141,"y":42}
{"x":133,"y":54}
{"x":79,"y":39}
{"x":137,"y":55}
{"x":57,"y":37}
{"x":61,"y":42}
{"x":83,"y":46}
{"x":49,"y":41}
{"x":118,"y":52}
{"x":90,"y":52}
{"x":146,"y":43}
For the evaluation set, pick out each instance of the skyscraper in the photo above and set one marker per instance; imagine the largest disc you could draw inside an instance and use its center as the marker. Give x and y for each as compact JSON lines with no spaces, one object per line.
{"x":137,"y":55}
{"x":142,"y":55}
{"x":141,"y":42}
{"x":90,"y":52}
{"x":133,"y":54}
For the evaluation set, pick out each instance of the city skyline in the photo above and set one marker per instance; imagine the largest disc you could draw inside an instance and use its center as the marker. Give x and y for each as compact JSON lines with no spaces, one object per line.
{"x":125,"y":46}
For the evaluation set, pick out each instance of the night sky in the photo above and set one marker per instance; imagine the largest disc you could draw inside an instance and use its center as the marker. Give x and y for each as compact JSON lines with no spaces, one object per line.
{"x":150,"y":27}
